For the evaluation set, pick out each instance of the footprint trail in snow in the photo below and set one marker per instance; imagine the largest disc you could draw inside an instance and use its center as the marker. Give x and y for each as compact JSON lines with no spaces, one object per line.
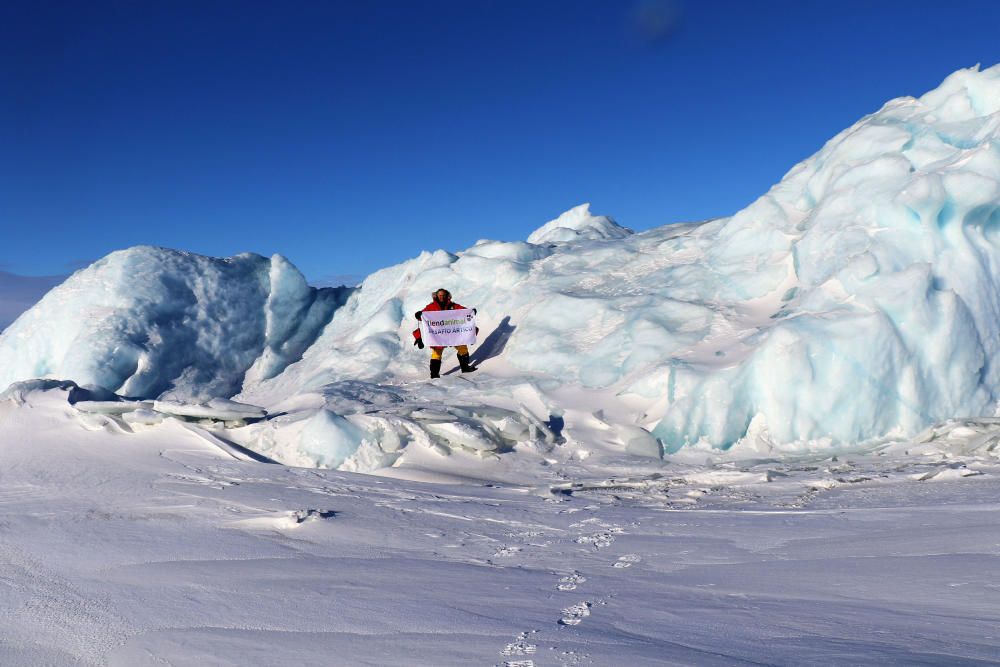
{"x":574,"y":614}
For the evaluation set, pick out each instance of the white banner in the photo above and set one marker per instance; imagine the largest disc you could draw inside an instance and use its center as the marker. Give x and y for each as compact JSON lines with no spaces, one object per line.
{"x":446,"y":328}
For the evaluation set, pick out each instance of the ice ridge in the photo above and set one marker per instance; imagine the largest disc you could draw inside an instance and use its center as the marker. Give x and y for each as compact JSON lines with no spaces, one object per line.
{"x":858,"y":299}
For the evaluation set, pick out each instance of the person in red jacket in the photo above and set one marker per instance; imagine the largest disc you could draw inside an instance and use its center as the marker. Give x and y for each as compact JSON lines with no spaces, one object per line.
{"x":442,"y":301}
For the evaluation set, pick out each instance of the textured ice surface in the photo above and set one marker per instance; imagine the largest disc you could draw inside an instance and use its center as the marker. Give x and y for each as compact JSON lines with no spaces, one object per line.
{"x":578,"y":224}
{"x":148,"y":321}
{"x":858,"y":298}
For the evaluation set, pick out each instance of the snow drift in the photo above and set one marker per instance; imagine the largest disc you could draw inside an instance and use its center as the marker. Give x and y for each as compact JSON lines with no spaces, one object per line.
{"x":858,"y":298}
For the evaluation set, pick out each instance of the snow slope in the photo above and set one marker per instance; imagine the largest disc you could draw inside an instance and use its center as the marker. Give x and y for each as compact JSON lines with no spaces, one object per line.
{"x":857,"y":300}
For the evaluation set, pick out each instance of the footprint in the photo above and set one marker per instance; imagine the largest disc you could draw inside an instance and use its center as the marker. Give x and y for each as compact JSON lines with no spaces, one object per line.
{"x":571,"y":658}
{"x":573,"y":615}
{"x":282,"y":520}
{"x":627,"y":561}
{"x":602,"y":539}
{"x":587,"y":522}
{"x":571,"y":581}
{"x":519,"y":647}
{"x":525,"y":535}
{"x":202,"y":481}
{"x":506,"y":551}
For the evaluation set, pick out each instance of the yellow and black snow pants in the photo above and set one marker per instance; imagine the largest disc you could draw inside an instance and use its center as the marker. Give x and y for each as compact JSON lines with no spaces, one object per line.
{"x":436,"y":352}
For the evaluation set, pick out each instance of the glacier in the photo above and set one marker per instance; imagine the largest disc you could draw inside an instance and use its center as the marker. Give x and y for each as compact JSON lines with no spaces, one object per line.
{"x":856,"y":300}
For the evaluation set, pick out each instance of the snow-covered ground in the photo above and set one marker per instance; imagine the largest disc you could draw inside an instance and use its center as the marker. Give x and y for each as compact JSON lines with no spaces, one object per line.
{"x":160,"y":547}
{"x":766,"y":439}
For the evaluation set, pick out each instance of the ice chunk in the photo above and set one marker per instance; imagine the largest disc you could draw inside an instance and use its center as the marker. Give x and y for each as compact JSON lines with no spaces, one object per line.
{"x":330,"y":439}
{"x":639,"y":442}
{"x":220,"y":409}
{"x":463,"y":434}
{"x":112,"y":407}
{"x":145,"y":321}
{"x":295,"y":314}
{"x":143,"y":416}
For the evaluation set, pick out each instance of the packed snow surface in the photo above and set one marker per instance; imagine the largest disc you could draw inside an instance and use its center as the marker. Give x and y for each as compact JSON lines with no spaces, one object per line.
{"x":167,"y":546}
{"x":856,"y":301}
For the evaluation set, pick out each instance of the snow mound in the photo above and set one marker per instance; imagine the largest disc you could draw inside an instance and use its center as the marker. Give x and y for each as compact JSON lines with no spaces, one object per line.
{"x":148,"y":321}
{"x":578,"y":224}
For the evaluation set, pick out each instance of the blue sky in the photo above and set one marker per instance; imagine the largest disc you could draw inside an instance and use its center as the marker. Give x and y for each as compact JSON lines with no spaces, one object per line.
{"x":351,"y":135}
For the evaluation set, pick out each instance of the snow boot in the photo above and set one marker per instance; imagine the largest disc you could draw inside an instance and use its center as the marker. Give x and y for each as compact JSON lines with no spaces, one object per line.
{"x":463,"y":361}
{"x":435,"y":368}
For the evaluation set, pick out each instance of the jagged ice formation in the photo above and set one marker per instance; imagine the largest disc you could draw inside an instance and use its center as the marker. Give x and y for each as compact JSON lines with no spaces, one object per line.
{"x":857,"y":299}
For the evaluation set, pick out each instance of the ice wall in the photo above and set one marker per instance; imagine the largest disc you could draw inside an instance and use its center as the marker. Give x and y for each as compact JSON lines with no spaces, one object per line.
{"x":148,"y":321}
{"x":890,"y":317}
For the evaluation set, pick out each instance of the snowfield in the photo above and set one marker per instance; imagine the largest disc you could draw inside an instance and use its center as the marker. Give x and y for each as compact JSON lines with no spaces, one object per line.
{"x":765,"y":439}
{"x":162,"y":546}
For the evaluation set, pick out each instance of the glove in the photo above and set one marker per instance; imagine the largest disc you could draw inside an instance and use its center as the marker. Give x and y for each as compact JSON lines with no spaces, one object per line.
{"x":419,"y":343}
{"x":418,"y":314}
{"x":475,"y":312}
